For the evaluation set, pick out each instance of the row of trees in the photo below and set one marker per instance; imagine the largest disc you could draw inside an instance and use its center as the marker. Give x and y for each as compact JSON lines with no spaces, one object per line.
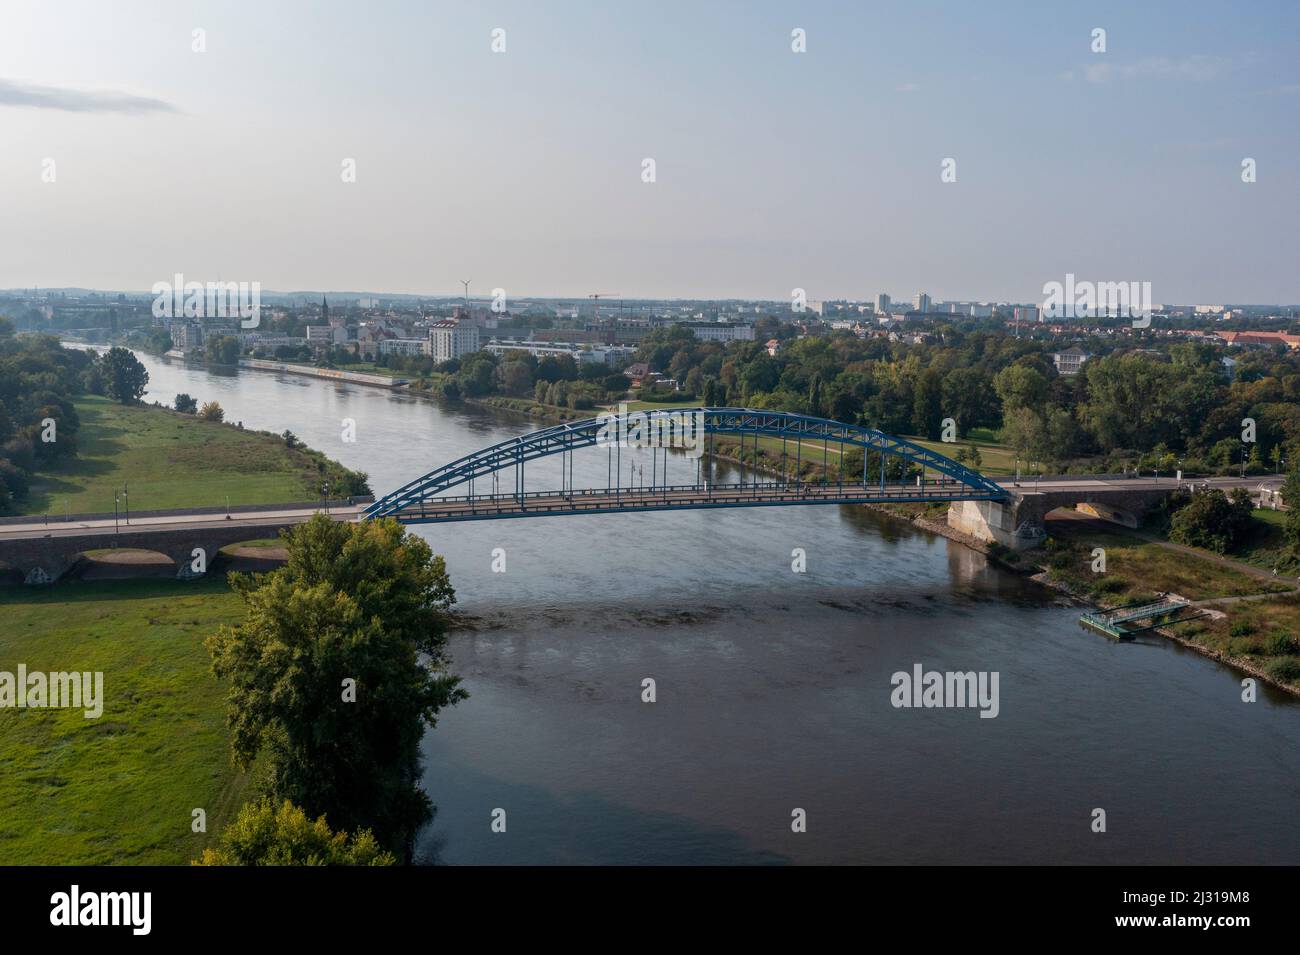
{"x":38,"y":421}
{"x":1170,"y":403}
{"x":552,"y":379}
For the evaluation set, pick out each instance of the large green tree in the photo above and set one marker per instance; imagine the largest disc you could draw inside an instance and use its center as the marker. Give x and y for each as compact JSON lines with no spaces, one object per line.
{"x":1020,"y":386}
{"x":336,"y":671}
{"x":125,"y":379}
{"x":1291,"y":500}
{"x":1213,"y":520}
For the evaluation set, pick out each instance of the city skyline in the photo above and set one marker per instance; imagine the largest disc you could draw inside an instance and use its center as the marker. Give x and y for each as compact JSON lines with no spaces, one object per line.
{"x":774,"y":170}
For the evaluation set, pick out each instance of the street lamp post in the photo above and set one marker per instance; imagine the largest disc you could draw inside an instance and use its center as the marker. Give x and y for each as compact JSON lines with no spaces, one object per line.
{"x":325,"y":489}
{"x":126,"y":498}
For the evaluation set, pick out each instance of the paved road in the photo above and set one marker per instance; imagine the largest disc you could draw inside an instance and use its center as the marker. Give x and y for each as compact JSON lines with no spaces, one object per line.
{"x":1028,"y":485}
{"x":57,"y":527}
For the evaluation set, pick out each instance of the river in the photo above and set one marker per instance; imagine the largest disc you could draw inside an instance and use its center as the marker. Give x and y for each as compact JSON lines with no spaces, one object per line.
{"x":773,"y":688}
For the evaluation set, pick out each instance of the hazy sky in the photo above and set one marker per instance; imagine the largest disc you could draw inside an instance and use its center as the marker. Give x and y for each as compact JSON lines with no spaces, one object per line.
{"x":775,"y":169}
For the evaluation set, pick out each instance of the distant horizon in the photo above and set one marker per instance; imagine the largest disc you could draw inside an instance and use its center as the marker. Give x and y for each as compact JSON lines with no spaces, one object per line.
{"x":345,"y":294}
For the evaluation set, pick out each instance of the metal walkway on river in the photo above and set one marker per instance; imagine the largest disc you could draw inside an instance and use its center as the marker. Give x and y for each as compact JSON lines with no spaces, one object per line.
{"x":1115,"y":622}
{"x":893,"y":470}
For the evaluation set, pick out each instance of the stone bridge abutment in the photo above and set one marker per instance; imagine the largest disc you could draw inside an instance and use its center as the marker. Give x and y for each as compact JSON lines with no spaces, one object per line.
{"x":1018,"y":523}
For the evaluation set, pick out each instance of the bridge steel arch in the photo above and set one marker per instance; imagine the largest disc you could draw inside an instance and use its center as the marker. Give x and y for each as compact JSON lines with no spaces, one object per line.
{"x":514,"y":453}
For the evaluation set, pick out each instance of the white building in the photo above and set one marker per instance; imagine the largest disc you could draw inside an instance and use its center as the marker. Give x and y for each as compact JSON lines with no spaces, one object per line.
{"x":973,"y":309}
{"x":582,"y":354}
{"x":450,"y":340}
{"x":721,"y":331}
{"x":410,"y":347}
{"x":326,"y":335}
{"x":1070,"y":361}
{"x":186,"y":335}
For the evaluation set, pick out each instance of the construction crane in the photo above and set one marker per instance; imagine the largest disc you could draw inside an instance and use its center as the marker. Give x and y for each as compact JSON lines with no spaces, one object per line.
{"x":595,"y":304}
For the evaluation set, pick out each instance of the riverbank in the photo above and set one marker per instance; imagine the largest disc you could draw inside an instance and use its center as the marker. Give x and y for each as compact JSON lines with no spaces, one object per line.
{"x":1247,"y":605}
{"x":333,"y":374}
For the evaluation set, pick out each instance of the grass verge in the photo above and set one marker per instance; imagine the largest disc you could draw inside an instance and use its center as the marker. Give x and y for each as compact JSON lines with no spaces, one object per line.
{"x":119,"y":789}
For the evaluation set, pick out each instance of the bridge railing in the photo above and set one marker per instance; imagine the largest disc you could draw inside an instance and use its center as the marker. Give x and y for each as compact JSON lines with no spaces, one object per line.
{"x":684,"y":496}
{"x":935,"y":485}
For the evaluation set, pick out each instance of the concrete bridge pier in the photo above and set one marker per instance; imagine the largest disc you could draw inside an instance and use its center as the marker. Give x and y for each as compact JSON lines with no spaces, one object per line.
{"x":1007,"y":523}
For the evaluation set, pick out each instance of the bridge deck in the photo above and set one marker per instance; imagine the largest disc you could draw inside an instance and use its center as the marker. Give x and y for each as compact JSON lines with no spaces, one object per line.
{"x":682,"y":497}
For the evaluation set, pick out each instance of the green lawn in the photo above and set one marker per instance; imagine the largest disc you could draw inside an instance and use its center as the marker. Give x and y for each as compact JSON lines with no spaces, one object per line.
{"x":1267,"y":547}
{"x":1270,"y":516}
{"x":366,"y":368}
{"x":1135,"y":567}
{"x":995,"y":459}
{"x":120,"y":788}
{"x":168,"y":460}
{"x":652,"y":405}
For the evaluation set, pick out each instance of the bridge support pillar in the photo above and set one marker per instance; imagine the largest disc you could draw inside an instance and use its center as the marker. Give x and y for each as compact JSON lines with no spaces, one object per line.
{"x":185,"y":559}
{"x":1009,"y":524}
{"x":37,"y":577}
{"x":41,"y":568}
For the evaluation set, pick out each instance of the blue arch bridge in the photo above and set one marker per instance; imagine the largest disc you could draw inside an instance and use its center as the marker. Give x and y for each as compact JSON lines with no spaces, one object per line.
{"x":490,"y":484}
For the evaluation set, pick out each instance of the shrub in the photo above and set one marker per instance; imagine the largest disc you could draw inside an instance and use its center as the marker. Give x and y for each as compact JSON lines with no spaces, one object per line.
{"x":1241,"y":628}
{"x":1281,"y":642}
{"x":264,"y":834}
{"x":1286,"y":669}
{"x":1108,"y":585}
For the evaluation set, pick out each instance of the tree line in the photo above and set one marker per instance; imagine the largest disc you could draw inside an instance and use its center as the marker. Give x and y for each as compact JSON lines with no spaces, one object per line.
{"x":1151,"y":406}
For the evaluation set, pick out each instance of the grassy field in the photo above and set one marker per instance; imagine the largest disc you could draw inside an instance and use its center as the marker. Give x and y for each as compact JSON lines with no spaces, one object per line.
{"x":366,"y":368}
{"x":1135,"y":567}
{"x":653,"y":405}
{"x":118,"y":789}
{"x":1263,"y":632}
{"x":169,"y":460}
{"x":1267,"y":546}
{"x":995,"y":459}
